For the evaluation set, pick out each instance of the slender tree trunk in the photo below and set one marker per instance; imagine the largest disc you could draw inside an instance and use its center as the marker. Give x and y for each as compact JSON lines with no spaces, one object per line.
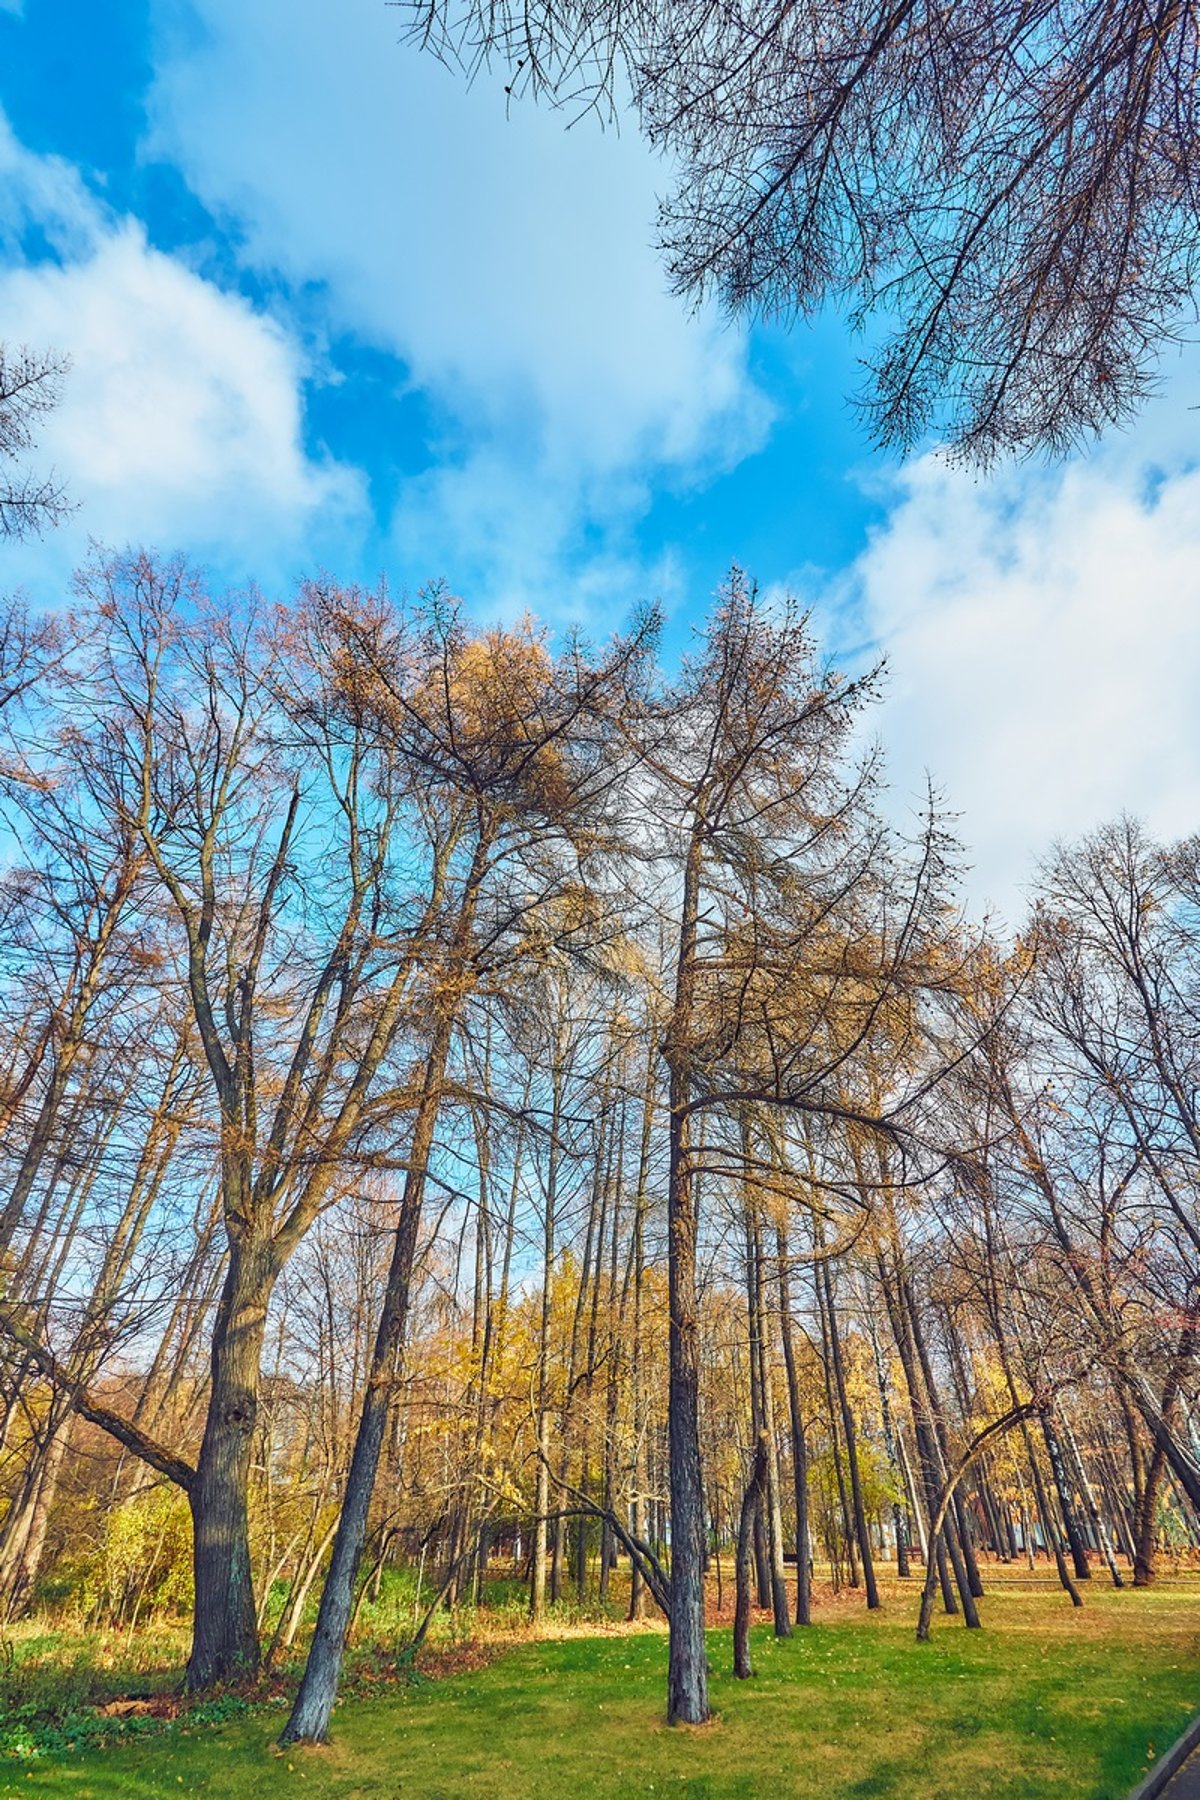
{"x":772,"y":1504}
{"x":1099,"y":1531}
{"x":958,"y":1537}
{"x":799,"y":1447}
{"x":1050,"y":1528}
{"x":638,"y":1473}
{"x":1147,"y":1518}
{"x":839,"y":1375}
{"x":537,"y":1577}
{"x":1066,"y":1502}
{"x":687,"y":1674}
{"x":927,"y":1451}
{"x":834,"y":1436}
{"x":889,"y":1440}
{"x":28,"y":1518}
{"x":297,"y":1600}
{"x":310,"y":1716}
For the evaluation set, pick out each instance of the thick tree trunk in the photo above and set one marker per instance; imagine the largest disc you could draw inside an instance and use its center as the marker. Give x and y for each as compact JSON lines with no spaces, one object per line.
{"x":687,"y":1677}
{"x":225,"y":1634}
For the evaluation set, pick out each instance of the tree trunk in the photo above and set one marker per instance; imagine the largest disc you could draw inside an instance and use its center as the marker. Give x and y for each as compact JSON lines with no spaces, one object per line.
{"x":958,"y":1538}
{"x":839,"y":1375}
{"x":537,"y":1574}
{"x":751,"y":1503}
{"x":799,"y":1447}
{"x":1079,"y":1556}
{"x":770,"y":1517}
{"x":889,"y":1439}
{"x":26,"y":1523}
{"x":1099,"y":1531}
{"x":310,"y":1716}
{"x":225,"y":1634}
{"x":834,"y":1434}
{"x":687,"y":1674}
{"x":1147,"y":1518}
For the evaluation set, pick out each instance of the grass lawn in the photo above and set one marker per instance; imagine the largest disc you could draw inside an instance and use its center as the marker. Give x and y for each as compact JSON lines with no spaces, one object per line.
{"x":1044,"y":1701}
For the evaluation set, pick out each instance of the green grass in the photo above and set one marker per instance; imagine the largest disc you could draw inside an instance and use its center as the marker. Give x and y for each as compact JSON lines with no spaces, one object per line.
{"x":1043,"y":1702}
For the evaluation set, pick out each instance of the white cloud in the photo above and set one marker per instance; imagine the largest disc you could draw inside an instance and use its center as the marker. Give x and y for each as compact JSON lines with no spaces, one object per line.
{"x":507,"y":261}
{"x":181,"y":422}
{"x":1043,"y":635}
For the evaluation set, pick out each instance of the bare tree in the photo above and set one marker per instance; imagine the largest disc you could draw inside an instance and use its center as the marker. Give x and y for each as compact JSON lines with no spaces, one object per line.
{"x":1009,"y":189}
{"x":30,"y":387}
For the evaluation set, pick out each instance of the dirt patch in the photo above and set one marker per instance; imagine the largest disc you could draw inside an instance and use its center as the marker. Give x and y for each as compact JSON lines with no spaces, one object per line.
{"x":156,"y":1706}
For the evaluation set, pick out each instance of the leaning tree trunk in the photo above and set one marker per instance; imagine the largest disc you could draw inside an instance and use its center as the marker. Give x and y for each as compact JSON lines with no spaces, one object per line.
{"x":958,"y":1538}
{"x":310,"y":1716}
{"x":24,"y":1537}
{"x":928,"y":1456}
{"x":1066,"y":1500}
{"x":1100,"y":1532}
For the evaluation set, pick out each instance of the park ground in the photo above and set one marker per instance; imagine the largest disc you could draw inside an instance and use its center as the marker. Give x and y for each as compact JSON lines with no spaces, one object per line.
{"x":1044,"y":1701}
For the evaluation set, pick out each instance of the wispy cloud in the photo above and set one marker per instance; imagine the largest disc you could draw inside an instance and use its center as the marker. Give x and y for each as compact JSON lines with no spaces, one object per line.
{"x":507,"y":261}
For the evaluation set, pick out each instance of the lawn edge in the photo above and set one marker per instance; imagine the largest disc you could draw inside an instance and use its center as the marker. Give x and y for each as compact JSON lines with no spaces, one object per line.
{"x":1169,"y":1764}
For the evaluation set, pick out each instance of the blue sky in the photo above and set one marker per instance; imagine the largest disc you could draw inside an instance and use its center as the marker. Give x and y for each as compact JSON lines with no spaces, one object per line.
{"x":328,"y":308}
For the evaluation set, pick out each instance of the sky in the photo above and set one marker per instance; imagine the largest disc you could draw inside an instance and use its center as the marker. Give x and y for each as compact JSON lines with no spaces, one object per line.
{"x":329,"y":309}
